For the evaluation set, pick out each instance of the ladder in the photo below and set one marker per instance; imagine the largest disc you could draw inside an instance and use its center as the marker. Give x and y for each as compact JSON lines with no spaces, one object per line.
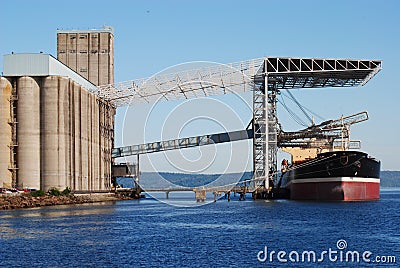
{"x":14,"y":143}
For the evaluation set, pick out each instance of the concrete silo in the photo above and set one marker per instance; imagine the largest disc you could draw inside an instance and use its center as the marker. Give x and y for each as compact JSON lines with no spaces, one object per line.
{"x":49,"y":133}
{"x":84,"y":140}
{"x":95,"y":143}
{"x":106,"y":122}
{"x":28,"y":129}
{"x":77,"y":137}
{"x":63,"y":133}
{"x":5,"y":133}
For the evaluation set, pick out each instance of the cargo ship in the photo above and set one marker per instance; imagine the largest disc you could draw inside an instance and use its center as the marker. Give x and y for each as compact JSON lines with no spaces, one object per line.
{"x":331,"y":176}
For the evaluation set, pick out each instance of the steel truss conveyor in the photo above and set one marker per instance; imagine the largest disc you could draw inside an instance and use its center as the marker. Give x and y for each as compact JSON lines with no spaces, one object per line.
{"x":182,"y":143}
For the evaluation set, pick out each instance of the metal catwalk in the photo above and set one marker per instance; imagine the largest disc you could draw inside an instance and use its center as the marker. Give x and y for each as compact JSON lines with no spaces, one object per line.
{"x":159,"y":146}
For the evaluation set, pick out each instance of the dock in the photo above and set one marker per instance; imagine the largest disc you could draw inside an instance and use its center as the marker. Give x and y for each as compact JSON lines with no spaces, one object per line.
{"x":200,"y":192}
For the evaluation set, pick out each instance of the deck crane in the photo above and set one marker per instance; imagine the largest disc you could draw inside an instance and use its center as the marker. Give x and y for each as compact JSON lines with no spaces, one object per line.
{"x":330,"y":134}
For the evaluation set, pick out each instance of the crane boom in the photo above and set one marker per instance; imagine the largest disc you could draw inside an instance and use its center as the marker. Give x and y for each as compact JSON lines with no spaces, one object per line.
{"x":323,"y":134}
{"x":344,"y":121}
{"x":315,"y":133}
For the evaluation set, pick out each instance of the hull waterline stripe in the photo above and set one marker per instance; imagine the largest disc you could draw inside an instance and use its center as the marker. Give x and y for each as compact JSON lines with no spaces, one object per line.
{"x":336,"y":179}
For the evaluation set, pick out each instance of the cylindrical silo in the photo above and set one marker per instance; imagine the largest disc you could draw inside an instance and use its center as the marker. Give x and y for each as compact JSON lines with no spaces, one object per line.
{"x":28,"y":130}
{"x":91,"y":144}
{"x":111,"y":138}
{"x":104,"y":143}
{"x":77,"y":137}
{"x":5,"y":132}
{"x":49,"y":133}
{"x":96,"y":144}
{"x":63,"y":130}
{"x":89,"y":130}
{"x":84,"y":139}
{"x":71,"y":178}
{"x":101,"y":142}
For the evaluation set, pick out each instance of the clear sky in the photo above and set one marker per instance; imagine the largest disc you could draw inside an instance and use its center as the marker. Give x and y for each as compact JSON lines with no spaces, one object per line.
{"x":153,"y":35}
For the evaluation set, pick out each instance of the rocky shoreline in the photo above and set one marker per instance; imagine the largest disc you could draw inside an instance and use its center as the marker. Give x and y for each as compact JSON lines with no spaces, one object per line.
{"x":8,"y":202}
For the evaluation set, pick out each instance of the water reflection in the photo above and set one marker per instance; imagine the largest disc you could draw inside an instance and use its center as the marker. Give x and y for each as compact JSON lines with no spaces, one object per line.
{"x":45,"y":222}
{"x":62,"y":211}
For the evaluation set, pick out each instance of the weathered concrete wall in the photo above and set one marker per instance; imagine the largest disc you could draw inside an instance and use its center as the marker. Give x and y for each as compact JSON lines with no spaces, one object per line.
{"x":91,"y":54}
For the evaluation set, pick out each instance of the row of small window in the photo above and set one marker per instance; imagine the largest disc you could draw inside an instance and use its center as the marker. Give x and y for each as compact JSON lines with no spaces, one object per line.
{"x":84,"y":51}
{"x":82,"y":36}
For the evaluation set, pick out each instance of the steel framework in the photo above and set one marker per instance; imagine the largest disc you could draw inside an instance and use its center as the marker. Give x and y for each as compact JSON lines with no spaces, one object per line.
{"x":159,"y":146}
{"x":240,"y":77}
{"x":216,"y":79}
{"x":264,"y":76}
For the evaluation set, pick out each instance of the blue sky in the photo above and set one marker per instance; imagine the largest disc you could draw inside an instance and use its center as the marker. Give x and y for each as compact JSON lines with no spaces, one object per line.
{"x":153,"y":35}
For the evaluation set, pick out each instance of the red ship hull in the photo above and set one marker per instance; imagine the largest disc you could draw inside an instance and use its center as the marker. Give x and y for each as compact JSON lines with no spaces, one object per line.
{"x":336,"y":189}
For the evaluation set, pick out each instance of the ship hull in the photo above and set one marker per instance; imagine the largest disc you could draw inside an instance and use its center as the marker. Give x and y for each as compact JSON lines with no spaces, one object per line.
{"x":338,"y":176}
{"x":336,"y":189}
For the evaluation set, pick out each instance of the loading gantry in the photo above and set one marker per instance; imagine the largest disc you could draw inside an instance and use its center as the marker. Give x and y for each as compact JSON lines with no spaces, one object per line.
{"x":265,"y":77}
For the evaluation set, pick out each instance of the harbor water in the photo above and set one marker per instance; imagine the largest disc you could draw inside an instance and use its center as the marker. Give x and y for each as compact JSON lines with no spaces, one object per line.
{"x":150,"y":233}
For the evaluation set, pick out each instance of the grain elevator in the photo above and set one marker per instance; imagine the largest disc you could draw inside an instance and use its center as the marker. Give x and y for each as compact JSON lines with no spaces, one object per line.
{"x":54,"y":131}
